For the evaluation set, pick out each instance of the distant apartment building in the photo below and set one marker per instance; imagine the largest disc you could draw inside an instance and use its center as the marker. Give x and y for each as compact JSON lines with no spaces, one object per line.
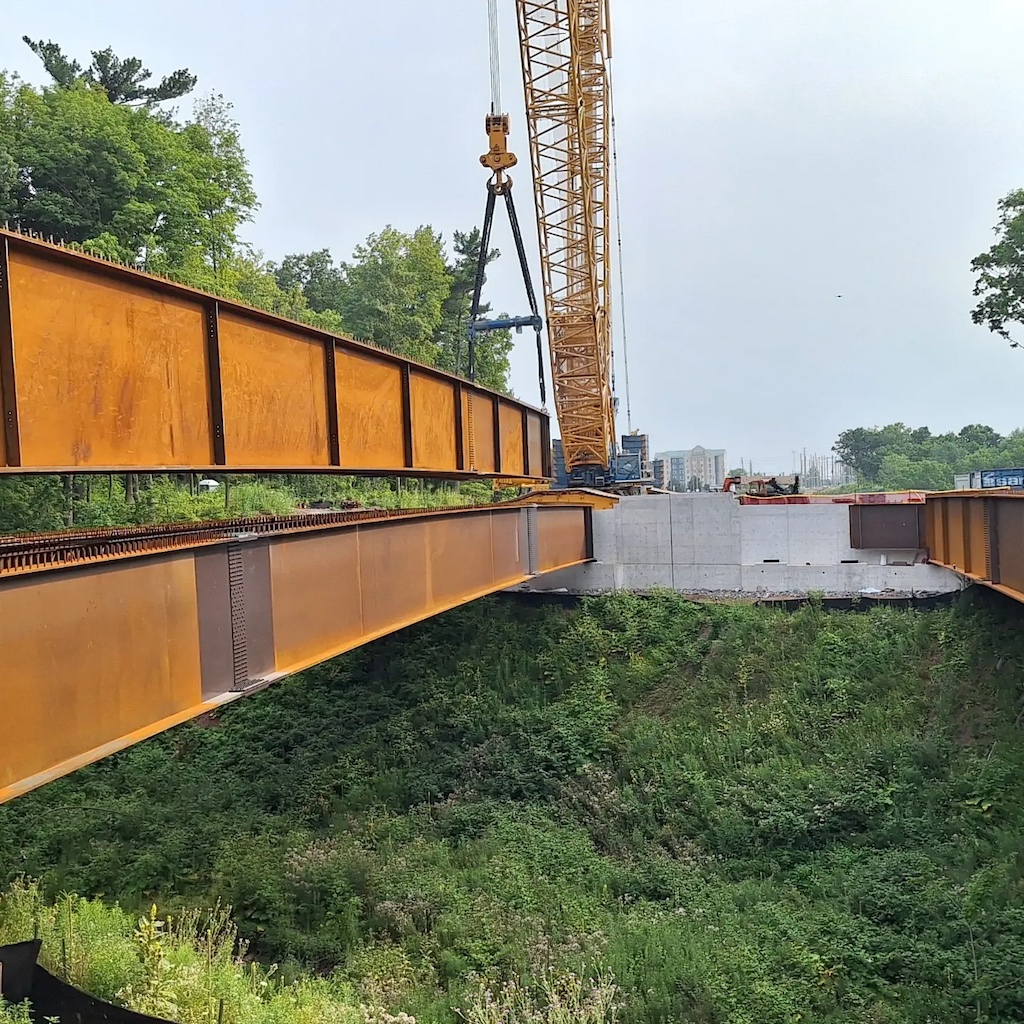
{"x":696,"y":467}
{"x":660,"y":472}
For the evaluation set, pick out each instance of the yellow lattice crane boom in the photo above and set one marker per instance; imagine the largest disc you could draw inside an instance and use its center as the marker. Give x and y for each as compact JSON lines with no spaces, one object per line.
{"x":565,"y":48}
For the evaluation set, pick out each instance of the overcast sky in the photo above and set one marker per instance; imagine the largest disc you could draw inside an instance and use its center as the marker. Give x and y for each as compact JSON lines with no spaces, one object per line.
{"x":774,"y":154}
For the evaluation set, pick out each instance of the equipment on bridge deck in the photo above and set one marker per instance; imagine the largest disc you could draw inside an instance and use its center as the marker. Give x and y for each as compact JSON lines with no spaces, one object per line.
{"x":986,"y":479}
{"x":761,"y":487}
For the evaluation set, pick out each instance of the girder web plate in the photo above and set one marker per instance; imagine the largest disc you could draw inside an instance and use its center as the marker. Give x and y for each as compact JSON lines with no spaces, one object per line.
{"x":104,"y":369}
{"x":978,"y":534}
{"x":103,"y":653}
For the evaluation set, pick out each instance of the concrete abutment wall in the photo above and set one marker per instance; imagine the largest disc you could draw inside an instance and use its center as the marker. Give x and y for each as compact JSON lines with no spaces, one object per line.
{"x":711,"y":544}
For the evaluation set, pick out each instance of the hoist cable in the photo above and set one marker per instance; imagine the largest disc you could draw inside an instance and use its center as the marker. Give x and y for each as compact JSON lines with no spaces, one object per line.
{"x":492,"y":25}
{"x":619,"y":240}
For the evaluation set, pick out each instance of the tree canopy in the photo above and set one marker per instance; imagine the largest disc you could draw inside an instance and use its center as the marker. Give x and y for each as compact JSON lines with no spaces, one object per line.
{"x":1000,"y":281}
{"x":124,"y":183}
{"x":897,"y":457}
{"x":123,"y":80}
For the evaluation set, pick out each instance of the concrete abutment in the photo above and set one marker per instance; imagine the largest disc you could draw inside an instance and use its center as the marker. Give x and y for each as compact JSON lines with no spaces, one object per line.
{"x":711,"y":544}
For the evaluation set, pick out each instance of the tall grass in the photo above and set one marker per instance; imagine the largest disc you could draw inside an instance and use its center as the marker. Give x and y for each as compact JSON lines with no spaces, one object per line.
{"x":194,"y":969}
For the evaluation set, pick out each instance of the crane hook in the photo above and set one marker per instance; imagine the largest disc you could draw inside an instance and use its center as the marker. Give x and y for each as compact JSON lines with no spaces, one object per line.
{"x":499,"y":158}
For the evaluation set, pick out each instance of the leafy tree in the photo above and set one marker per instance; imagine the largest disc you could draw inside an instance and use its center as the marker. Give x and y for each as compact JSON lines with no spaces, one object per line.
{"x":860,"y":448}
{"x":901,"y":472}
{"x":394,"y":292}
{"x":896,"y":457}
{"x":977,"y":435}
{"x":376,"y":294}
{"x":82,"y":167}
{"x":212,"y":196}
{"x":493,"y":348}
{"x":124,"y":81}
{"x":317,"y":276}
{"x":247,"y":277}
{"x":29,"y":504}
{"x":8,"y":165}
{"x":1000,"y":282}
{"x":125,"y":183}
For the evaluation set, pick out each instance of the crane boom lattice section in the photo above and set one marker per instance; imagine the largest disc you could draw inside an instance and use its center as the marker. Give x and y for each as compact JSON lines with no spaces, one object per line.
{"x":565,"y":50}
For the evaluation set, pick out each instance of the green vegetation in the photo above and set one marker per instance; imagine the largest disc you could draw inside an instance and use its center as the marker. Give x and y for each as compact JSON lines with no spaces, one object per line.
{"x":999,"y":285}
{"x":194,"y":969}
{"x":33,"y":504}
{"x":897,"y":457}
{"x":732,"y":814}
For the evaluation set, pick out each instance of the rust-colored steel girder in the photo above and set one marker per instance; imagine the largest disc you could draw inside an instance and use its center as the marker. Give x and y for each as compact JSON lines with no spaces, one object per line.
{"x":979,"y":534}
{"x":106,"y":369}
{"x":103,"y":649}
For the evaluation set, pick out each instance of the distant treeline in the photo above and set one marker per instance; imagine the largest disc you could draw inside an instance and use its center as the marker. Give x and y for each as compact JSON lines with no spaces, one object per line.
{"x":897,"y":457}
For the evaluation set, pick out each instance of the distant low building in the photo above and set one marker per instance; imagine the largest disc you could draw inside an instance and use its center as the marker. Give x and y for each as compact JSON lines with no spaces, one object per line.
{"x":694,"y":468}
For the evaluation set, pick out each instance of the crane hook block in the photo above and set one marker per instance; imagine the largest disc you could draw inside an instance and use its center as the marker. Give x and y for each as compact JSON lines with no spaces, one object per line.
{"x":498,"y":158}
